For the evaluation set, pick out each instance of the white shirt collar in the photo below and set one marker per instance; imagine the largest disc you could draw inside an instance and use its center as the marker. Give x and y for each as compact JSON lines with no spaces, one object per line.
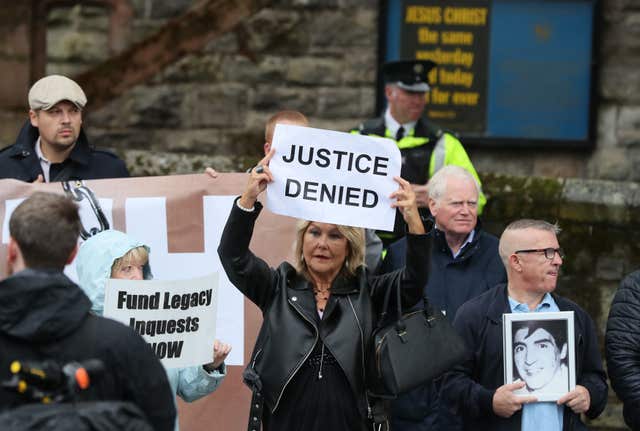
{"x":45,"y":164}
{"x":392,"y":125}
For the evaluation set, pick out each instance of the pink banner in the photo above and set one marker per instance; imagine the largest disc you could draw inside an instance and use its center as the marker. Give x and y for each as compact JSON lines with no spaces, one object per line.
{"x":227,"y":408}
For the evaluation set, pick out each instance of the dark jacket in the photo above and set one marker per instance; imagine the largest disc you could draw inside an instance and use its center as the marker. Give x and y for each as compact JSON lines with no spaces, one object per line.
{"x":44,"y":315}
{"x":20,"y":161}
{"x":622,"y":345}
{"x":287,"y":301}
{"x":452,"y":282}
{"x":472,"y":385}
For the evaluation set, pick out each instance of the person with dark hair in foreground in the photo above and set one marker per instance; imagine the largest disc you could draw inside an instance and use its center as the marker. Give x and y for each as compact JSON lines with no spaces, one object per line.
{"x":45,"y":316}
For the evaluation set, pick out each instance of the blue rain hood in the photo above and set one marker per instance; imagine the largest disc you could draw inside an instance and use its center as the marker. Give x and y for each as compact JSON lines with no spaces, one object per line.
{"x":95,"y":259}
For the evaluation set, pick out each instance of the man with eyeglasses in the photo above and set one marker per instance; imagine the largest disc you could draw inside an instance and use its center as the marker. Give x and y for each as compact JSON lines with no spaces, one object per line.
{"x":532,"y":256}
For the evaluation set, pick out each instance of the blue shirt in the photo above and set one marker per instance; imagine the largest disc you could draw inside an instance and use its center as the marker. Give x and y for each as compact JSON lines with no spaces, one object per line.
{"x":539,"y":416}
{"x":470,"y":237}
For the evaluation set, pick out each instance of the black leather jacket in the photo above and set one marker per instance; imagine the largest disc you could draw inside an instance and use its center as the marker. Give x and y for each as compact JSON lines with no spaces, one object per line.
{"x":289,"y":330}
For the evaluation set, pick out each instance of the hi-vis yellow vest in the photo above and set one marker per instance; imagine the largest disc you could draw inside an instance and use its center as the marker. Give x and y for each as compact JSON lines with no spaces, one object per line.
{"x":447,"y":150}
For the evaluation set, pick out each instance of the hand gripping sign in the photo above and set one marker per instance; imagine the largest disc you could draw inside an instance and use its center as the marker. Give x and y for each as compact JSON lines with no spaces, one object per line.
{"x":333,"y":177}
{"x":176,"y":318}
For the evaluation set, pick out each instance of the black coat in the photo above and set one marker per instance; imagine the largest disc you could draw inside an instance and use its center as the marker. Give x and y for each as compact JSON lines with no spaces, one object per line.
{"x":472,"y":385}
{"x":452,"y":282}
{"x":20,"y":161}
{"x":44,"y":315}
{"x":289,"y":330}
{"x":622,"y":344}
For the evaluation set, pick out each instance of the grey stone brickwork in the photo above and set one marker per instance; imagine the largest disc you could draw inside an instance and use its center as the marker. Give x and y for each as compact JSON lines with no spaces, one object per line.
{"x":320,"y":57}
{"x":316,"y":56}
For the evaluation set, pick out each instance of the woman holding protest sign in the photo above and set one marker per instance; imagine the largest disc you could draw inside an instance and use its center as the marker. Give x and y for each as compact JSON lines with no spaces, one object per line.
{"x":114,"y":254}
{"x":308,"y":365}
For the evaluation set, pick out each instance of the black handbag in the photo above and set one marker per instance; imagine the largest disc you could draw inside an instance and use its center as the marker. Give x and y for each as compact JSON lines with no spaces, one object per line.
{"x":413,"y":349}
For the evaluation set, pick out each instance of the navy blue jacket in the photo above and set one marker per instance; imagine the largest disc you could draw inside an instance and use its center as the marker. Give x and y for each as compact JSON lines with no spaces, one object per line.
{"x":452,"y":282}
{"x":622,"y":344}
{"x":20,"y":161}
{"x":471,"y":386}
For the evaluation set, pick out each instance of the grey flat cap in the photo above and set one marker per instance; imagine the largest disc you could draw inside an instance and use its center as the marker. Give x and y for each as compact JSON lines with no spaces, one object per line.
{"x":52,"y":89}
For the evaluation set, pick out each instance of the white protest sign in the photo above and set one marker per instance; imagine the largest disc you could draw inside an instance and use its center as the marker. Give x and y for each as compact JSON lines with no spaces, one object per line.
{"x":176,"y":318}
{"x":333,"y":177}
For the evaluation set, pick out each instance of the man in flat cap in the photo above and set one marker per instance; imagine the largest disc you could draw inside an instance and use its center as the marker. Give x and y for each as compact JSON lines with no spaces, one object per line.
{"x":52,"y":145}
{"x":424,"y":146}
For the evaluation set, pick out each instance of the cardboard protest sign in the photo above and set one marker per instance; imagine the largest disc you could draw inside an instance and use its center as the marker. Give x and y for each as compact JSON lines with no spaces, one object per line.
{"x":176,"y":318}
{"x":333,"y":177}
{"x":181,"y":218}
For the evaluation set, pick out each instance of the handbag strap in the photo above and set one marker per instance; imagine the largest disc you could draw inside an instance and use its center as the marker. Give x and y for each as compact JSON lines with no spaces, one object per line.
{"x":385,"y":307}
{"x":429,"y":227}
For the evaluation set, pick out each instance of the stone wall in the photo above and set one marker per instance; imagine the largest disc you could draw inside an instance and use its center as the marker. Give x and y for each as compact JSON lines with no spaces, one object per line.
{"x":320,"y":57}
{"x":316,"y":56}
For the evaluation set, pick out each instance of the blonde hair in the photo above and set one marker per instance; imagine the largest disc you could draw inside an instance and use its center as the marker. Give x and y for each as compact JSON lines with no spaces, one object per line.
{"x":137,"y":256}
{"x":355,"y":247}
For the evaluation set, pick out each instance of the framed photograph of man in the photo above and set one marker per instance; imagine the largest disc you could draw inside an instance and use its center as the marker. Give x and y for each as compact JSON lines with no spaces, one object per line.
{"x":539,"y":349}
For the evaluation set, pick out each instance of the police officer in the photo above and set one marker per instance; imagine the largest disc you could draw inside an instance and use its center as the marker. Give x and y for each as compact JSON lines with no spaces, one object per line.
{"x":424,"y":146}
{"x":52,"y":145}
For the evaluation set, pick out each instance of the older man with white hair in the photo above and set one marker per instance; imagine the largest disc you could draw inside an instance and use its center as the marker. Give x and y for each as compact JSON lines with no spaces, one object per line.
{"x":533,"y":257}
{"x":464,"y":264}
{"x":464,"y":259}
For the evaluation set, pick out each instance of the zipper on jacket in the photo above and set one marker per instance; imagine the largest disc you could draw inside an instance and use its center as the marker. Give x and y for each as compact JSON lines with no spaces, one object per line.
{"x":321,"y":358}
{"x":303,"y":359}
{"x":255,"y":358}
{"x":364,"y":377}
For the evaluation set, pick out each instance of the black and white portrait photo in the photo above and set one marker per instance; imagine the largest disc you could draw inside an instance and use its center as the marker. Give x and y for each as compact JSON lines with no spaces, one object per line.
{"x":539,"y":352}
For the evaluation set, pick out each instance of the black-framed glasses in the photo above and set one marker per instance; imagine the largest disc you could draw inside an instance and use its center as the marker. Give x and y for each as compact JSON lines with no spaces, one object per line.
{"x":549,"y":253}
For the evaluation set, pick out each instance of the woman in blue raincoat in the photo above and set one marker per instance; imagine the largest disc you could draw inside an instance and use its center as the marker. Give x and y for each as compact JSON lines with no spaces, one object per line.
{"x":114,"y":254}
